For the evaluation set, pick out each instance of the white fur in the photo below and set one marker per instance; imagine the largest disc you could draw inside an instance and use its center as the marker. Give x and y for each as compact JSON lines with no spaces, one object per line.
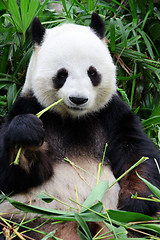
{"x":62,"y":186}
{"x":75,"y":48}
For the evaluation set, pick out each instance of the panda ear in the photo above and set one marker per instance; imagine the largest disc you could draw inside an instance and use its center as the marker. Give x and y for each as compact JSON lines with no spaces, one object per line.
{"x":37,"y":31}
{"x":97,"y":25}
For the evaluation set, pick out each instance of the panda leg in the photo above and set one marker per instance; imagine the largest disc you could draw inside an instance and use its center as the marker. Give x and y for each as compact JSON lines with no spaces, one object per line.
{"x":132,"y":185}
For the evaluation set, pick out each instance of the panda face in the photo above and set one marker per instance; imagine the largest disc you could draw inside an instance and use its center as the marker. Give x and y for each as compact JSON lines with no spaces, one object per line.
{"x":72,"y":63}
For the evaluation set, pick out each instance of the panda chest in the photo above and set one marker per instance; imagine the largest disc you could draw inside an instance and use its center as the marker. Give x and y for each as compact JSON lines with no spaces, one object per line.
{"x":76,"y":154}
{"x":75,"y":140}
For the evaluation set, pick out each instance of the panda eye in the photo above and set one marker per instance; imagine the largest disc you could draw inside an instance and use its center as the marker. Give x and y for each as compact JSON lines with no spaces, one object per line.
{"x":92,"y":72}
{"x":62,"y":73}
{"x":60,"y":78}
{"x":94,"y":76}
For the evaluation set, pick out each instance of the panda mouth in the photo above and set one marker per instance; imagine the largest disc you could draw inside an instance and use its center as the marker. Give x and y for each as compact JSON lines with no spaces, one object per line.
{"x":76,"y":108}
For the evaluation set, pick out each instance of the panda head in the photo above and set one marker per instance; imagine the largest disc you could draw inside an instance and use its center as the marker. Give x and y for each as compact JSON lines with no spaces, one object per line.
{"x":71,"y":62}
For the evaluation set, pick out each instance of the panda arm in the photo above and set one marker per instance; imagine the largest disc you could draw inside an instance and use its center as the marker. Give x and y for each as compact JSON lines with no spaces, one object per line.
{"x":127,"y":143}
{"x":23,"y":128}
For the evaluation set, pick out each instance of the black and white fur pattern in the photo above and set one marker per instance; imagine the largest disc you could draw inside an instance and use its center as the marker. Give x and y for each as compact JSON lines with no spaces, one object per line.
{"x":73,"y":62}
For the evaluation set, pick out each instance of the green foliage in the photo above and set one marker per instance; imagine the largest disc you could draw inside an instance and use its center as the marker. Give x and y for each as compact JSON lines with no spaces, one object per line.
{"x":118,"y":222}
{"x":16,"y":49}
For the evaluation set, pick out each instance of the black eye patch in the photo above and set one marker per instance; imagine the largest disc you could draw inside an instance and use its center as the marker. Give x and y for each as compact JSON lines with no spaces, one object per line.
{"x":60,"y":78}
{"x":94,"y":76}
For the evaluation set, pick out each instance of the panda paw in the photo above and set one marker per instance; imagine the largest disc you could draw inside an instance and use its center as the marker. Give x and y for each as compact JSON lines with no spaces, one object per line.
{"x":25,"y":130}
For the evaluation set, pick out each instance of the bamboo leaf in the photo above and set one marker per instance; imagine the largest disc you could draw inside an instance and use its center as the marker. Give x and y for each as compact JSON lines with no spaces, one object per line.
{"x":126,"y":217}
{"x":133,"y":85}
{"x":124,"y":96}
{"x":112,"y":34}
{"x":24,"y":8}
{"x":134,"y":76}
{"x":64,"y":5}
{"x":42,"y":7}
{"x":149,"y":227}
{"x":137,"y":42}
{"x":121,"y":5}
{"x":11,"y":96}
{"x":40,"y":210}
{"x":119,"y":232}
{"x":133,"y":11}
{"x":156,"y":111}
{"x":82,"y":6}
{"x":90,"y":5}
{"x":45,"y":197}
{"x":151,"y":121}
{"x":154,"y":189}
{"x":14,"y":10}
{"x":145,"y":19}
{"x":98,"y":207}
{"x":83,"y":225}
{"x":81,"y":235}
{"x":148,"y":45}
{"x":122,"y":31}
{"x":34,"y":4}
{"x":96,"y":194}
{"x":23,"y":61}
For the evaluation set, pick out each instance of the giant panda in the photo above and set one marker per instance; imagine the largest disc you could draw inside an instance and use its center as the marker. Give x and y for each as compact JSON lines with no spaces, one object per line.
{"x":73,"y":62}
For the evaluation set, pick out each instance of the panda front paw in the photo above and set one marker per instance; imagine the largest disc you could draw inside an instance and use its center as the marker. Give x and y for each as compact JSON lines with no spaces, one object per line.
{"x":25,"y":130}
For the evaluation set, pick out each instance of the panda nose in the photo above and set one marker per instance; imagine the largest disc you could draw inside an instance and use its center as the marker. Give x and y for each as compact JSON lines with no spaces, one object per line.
{"x":78,"y":100}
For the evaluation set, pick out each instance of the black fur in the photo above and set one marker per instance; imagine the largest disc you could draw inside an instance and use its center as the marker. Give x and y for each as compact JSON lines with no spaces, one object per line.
{"x":60,"y":78}
{"x":115,"y":124}
{"x":97,"y":25}
{"x":127,"y":143}
{"x":94,"y":76}
{"x":37,"y":31}
{"x":22,"y":129}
